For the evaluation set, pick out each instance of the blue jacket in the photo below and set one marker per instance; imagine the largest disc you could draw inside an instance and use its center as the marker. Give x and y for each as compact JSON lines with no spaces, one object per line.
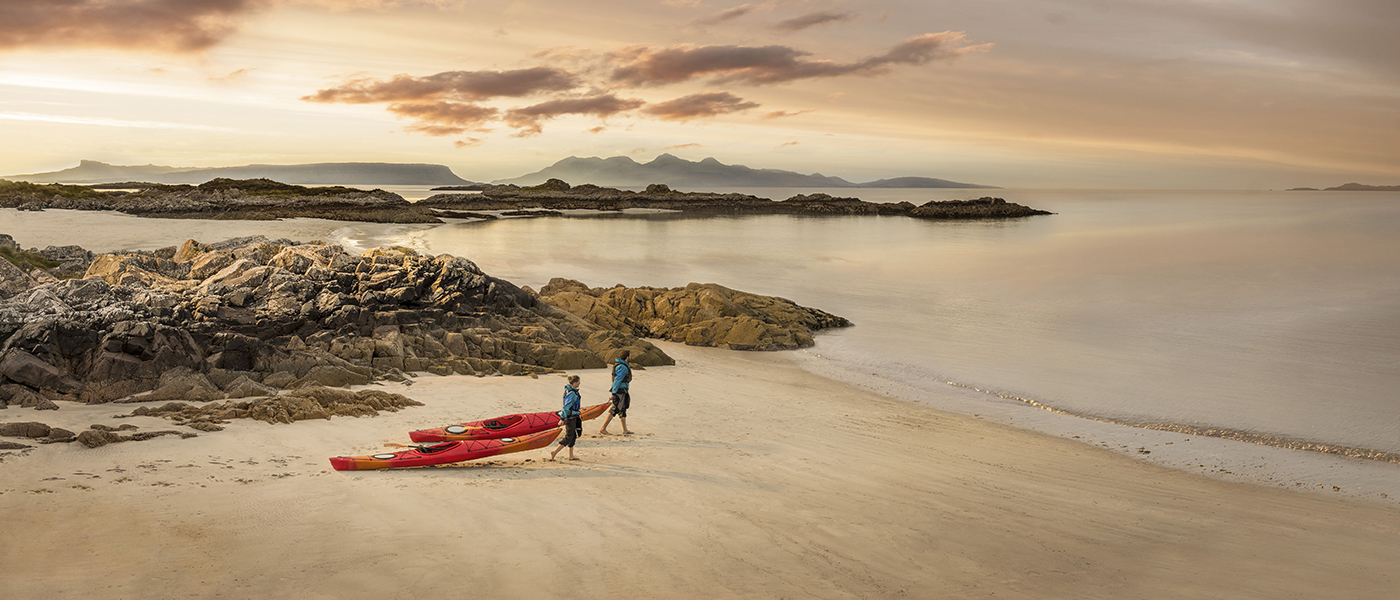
{"x":622,"y":376}
{"x":572,"y":402}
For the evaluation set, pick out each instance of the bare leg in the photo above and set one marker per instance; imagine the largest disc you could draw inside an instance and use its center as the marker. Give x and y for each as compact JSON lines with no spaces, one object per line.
{"x":556,"y":451}
{"x":604,"y":430}
{"x":571,"y":453}
{"x":623,"y":420}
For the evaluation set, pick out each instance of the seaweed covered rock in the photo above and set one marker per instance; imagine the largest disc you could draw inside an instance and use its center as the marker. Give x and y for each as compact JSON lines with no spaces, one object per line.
{"x":697,"y":314}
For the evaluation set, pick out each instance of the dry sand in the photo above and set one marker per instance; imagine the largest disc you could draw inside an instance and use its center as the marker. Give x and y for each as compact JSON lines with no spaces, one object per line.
{"x":747,"y":477}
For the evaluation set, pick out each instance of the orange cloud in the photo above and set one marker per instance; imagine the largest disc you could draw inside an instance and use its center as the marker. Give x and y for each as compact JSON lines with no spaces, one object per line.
{"x":680,"y":146}
{"x":444,"y":118}
{"x":728,"y":14}
{"x":451,"y":85}
{"x":164,"y":25}
{"x":758,"y":65}
{"x":232,"y":76}
{"x":778,"y":114}
{"x":695,"y":106}
{"x":812,"y":20}
{"x":527,"y":119}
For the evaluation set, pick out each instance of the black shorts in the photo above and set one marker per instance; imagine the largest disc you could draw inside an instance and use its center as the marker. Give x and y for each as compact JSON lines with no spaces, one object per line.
{"x":620,"y":401}
{"x":572,"y":427}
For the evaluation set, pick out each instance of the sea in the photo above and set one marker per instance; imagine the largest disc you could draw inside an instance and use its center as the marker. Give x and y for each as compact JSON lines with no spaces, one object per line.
{"x":1252,"y":336}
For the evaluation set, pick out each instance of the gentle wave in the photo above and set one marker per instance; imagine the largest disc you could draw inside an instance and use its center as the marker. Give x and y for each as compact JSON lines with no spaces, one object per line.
{"x":1238,"y":435}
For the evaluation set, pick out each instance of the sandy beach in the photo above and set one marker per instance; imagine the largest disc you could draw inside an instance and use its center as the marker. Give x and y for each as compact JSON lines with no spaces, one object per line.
{"x":746,"y":477}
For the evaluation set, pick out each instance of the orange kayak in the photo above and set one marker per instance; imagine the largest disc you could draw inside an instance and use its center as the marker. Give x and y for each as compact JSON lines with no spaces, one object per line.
{"x":448,"y":452}
{"x":499,"y":427}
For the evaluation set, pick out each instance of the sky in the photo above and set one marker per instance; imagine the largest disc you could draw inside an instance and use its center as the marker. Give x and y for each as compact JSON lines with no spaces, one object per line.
{"x":1157,"y":94}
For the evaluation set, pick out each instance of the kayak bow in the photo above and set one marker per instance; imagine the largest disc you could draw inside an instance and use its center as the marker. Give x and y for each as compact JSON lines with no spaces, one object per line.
{"x":447,"y":452}
{"x":499,"y":427}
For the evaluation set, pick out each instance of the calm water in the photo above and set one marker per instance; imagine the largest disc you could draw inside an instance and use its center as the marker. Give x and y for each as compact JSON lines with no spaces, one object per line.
{"x":1276,"y":313}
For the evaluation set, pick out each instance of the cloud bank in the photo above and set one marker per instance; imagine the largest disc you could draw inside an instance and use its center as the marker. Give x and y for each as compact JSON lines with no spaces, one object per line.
{"x":761,"y":65}
{"x":451,"y":102}
{"x":453,"y":85}
{"x":175,"y":26}
{"x":527,"y":119}
{"x":162,"y":25}
{"x":698,"y":106}
{"x":810,"y":20}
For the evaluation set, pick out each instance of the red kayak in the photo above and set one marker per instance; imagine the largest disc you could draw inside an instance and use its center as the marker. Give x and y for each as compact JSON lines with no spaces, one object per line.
{"x":499,"y":427}
{"x":449,"y":452}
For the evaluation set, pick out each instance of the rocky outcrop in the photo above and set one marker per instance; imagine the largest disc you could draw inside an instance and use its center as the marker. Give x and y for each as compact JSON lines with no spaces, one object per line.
{"x":38,"y":432}
{"x":556,"y":195}
{"x":73,"y":261}
{"x":249,"y":317}
{"x":697,"y":314}
{"x":252,"y":318}
{"x":981,"y":208}
{"x":307,"y":403}
{"x":100,"y":435}
{"x":262,"y":199}
{"x":223,"y":199}
{"x":97,"y":435}
{"x":13,"y":279}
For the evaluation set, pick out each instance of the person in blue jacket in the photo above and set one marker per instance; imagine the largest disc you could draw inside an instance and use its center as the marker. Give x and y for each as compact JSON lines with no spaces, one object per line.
{"x":621,"y":398}
{"x":569,"y":416}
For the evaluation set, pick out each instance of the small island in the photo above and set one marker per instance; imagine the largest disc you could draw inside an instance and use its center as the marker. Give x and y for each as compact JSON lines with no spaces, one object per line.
{"x":558,"y":195}
{"x":1350,"y":187}
{"x":264,"y":199}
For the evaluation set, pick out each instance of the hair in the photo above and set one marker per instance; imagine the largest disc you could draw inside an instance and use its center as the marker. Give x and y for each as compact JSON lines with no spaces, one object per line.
{"x":573,"y":379}
{"x":626,"y":354}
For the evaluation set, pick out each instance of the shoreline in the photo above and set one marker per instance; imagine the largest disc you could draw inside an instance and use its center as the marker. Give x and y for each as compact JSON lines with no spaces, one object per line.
{"x":749,"y":477}
{"x":1216,"y":457}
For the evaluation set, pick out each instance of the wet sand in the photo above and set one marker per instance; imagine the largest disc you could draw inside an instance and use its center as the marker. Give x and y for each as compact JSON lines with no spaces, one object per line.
{"x":747,"y":477}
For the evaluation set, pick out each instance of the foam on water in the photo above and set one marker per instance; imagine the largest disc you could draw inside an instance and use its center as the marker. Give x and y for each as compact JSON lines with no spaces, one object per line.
{"x":1245,"y":457}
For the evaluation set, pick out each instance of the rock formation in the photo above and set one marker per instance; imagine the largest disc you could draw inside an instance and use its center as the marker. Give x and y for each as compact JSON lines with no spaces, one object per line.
{"x":222,"y":199}
{"x":559,"y":195}
{"x":300,"y":405}
{"x":261,"y":199}
{"x":268,"y":329}
{"x":698,"y":314}
{"x":250,"y":316}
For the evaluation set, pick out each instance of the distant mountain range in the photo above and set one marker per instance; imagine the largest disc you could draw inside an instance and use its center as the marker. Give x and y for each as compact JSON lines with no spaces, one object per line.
{"x":615,"y":171}
{"x":91,"y":171}
{"x":1351,"y":187}
{"x":678,"y":172}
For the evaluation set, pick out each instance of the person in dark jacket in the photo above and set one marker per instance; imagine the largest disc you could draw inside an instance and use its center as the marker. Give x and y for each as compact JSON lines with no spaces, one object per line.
{"x":569,"y":416}
{"x":621,"y":396}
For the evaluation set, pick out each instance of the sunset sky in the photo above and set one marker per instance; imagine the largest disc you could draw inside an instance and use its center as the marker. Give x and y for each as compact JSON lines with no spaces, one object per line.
{"x":1252,"y":94}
